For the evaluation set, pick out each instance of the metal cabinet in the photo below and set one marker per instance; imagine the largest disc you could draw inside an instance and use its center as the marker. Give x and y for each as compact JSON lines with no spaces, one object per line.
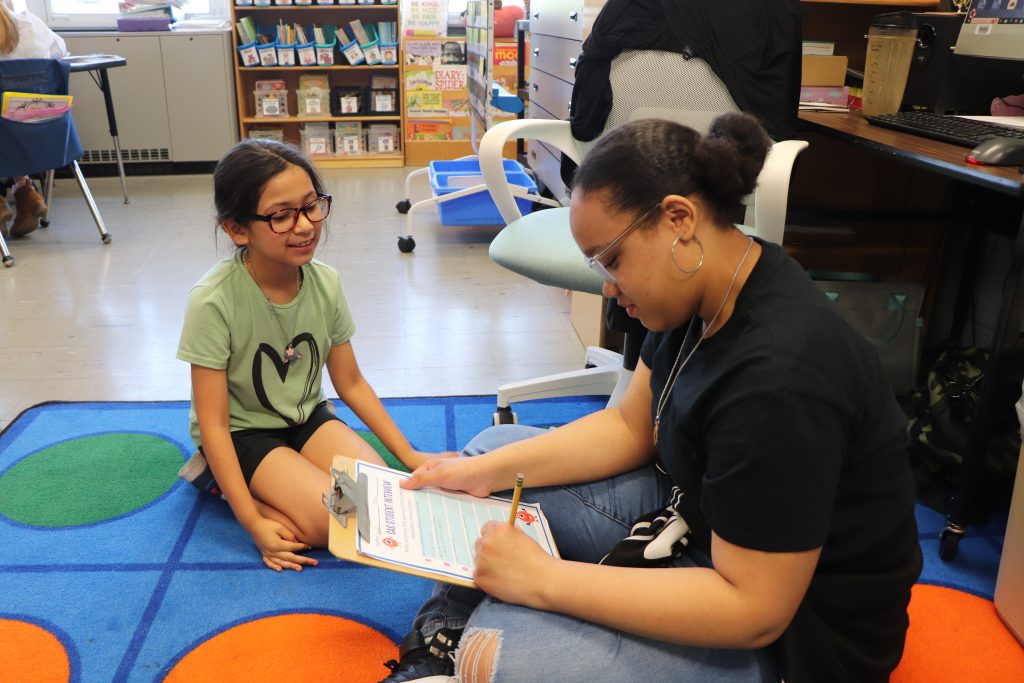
{"x":174,"y":100}
{"x":557,"y":31}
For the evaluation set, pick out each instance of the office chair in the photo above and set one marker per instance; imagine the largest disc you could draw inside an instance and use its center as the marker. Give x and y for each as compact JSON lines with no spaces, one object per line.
{"x":32,"y":148}
{"x":540,"y":245}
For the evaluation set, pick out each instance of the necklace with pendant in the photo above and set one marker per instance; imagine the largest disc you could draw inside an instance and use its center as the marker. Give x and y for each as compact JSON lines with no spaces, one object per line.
{"x":290,"y":353}
{"x":677,"y":369}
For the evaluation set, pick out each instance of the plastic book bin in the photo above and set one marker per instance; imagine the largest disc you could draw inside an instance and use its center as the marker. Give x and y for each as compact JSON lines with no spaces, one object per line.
{"x":353,"y":53}
{"x":268,"y":53}
{"x":286,"y":55}
{"x":249,"y":55}
{"x":371,"y":52}
{"x":325,"y":54}
{"x":388,"y":53}
{"x":307,"y":54}
{"x":475,"y":209}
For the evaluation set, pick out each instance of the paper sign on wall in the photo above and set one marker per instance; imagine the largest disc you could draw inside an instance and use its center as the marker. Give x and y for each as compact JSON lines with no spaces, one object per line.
{"x":425,"y":17}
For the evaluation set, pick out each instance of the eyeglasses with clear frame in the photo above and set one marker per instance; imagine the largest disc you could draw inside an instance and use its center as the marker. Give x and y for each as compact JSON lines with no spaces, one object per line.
{"x":285,"y":220}
{"x":594,"y":262}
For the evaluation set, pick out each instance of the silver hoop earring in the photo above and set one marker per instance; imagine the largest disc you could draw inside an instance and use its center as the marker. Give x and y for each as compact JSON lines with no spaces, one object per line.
{"x":699,"y":263}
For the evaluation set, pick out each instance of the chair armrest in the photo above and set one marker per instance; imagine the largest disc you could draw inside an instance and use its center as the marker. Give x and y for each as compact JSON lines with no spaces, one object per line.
{"x":772,"y":193}
{"x":492,"y":146}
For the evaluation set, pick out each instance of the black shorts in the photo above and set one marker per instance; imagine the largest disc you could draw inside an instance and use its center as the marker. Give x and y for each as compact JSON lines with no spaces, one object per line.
{"x":252,"y":445}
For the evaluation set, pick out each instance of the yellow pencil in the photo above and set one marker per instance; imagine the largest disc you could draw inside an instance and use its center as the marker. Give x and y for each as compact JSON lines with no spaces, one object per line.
{"x":518,"y":491}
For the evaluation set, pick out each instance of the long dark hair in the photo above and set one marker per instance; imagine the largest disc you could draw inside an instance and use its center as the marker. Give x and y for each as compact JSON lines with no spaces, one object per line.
{"x":240,"y":177}
{"x":640,"y":162}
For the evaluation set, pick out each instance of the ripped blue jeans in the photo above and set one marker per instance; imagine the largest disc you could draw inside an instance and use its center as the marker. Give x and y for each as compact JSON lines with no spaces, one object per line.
{"x":587,"y":520}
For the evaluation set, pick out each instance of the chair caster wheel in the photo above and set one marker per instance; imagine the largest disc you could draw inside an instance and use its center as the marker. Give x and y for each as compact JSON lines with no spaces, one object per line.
{"x":403,"y":206}
{"x":8,"y":261}
{"x":948,"y":542}
{"x":406,"y":244}
{"x":505,"y":416}
{"x":44,"y":223}
{"x":106,"y":239}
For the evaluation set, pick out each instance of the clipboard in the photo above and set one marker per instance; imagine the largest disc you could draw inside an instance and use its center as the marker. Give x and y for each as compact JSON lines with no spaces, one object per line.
{"x":344,"y":540}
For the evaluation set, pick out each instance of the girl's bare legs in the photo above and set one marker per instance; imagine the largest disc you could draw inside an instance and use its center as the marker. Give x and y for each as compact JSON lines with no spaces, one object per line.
{"x":291,"y":487}
{"x":288,"y":485}
{"x":337,"y":438}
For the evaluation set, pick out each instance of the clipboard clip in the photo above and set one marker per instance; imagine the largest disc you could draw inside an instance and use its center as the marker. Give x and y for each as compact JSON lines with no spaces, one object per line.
{"x":347,"y":495}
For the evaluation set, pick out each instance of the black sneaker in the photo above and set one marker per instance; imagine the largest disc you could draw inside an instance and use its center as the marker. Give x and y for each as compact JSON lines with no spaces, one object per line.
{"x":420,"y":659}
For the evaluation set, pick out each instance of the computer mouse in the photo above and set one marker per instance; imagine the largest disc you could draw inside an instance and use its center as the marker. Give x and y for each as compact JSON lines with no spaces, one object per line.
{"x":998,"y":152}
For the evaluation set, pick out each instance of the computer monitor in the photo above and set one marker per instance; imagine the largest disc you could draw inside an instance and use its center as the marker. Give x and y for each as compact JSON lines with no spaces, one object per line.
{"x":994,"y":29}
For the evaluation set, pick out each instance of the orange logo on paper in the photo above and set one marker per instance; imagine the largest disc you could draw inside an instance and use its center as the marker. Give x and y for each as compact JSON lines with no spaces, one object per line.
{"x":390,"y":542}
{"x":525,"y":517}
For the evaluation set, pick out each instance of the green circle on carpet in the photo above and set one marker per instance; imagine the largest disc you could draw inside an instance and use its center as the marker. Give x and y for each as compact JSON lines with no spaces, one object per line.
{"x":90,"y":479}
{"x":389,"y":459}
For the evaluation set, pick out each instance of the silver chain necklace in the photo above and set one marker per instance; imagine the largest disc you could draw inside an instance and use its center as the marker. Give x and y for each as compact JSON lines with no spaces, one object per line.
{"x":290,"y":353}
{"x":677,"y":369}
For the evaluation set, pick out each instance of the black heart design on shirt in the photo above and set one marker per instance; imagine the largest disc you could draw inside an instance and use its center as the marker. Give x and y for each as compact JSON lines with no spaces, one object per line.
{"x":282,"y":368}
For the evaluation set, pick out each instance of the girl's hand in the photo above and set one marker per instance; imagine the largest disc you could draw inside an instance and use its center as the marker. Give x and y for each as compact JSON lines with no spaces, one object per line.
{"x":278,"y":546}
{"x":417,"y":458}
{"x":454,"y":474}
{"x":510,"y":565}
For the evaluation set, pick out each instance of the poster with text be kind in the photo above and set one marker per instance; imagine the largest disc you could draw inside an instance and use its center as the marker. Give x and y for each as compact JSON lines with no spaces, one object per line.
{"x":425,"y":17}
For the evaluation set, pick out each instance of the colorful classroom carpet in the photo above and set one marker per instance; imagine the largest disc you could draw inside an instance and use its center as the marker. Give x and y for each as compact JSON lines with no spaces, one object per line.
{"x":111,"y":569}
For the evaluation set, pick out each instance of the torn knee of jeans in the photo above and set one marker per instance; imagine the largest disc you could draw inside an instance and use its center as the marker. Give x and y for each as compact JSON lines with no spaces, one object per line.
{"x":477,"y":655}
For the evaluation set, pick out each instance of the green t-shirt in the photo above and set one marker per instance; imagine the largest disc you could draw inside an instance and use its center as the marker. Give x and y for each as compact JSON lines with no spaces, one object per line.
{"x":230,"y":325}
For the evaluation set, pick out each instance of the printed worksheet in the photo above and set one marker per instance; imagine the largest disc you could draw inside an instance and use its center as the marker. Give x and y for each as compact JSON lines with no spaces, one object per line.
{"x":432,"y":530}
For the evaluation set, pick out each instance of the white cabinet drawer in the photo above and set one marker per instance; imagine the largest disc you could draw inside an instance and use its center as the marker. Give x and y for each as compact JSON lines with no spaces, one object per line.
{"x":546,"y":160}
{"x":550,"y":93}
{"x":547,"y":168}
{"x":556,"y":56}
{"x":563,"y":18}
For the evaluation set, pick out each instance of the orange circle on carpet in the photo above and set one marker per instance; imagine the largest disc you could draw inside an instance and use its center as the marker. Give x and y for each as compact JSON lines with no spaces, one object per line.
{"x":31,"y":653}
{"x":292,"y":647}
{"x":955,"y":636}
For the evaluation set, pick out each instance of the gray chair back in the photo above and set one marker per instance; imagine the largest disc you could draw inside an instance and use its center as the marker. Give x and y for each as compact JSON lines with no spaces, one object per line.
{"x":666,"y":85}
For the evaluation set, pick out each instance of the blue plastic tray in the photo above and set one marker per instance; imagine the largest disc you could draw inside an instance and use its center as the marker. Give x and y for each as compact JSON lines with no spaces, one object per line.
{"x":478,"y":208}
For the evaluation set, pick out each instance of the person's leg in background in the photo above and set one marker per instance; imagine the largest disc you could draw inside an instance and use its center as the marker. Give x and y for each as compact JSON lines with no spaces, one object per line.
{"x":29,"y":207}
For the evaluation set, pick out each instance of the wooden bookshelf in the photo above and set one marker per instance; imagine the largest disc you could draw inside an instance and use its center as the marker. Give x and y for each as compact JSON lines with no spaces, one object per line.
{"x":419,"y":152}
{"x":338,"y":74}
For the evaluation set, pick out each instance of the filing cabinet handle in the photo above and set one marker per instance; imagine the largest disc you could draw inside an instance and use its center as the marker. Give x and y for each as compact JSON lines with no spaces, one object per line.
{"x":573,"y":15}
{"x":536,"y":87}
{"x":572,"y":62}
{"x":536,"y":51}
{"x":536,"y":15}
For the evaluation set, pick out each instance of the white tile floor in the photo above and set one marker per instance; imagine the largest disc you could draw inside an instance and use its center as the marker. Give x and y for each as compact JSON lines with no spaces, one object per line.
{"x":83,"y":321}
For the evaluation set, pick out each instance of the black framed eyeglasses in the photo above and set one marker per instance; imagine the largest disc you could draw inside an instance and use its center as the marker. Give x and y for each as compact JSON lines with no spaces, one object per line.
{"x":285,"y":220}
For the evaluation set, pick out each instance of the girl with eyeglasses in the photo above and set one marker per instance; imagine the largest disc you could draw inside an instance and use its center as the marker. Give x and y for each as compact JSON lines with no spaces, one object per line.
{"x":259,"y":329}
{"x":744,"y":513}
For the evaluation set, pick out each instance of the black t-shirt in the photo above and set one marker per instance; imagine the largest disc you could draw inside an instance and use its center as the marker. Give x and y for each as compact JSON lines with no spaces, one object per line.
{"x":783,"y":434}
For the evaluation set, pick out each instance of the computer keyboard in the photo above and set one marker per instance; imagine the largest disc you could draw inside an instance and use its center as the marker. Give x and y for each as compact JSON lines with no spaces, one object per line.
{"x":952,"y":129}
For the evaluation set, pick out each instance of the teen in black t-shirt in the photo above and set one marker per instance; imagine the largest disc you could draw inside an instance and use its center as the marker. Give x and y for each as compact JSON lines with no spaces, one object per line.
{"x":785,"y":436}
{"x":745,"y":511}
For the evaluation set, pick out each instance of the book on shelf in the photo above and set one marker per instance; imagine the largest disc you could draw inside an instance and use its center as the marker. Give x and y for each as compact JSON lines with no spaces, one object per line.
{"x":822,"y":94}
{"x":819,"y":47}
{"x":429,"y":533}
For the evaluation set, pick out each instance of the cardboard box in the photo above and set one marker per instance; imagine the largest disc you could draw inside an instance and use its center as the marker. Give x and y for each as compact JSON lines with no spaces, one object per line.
{"x":823,"y":70}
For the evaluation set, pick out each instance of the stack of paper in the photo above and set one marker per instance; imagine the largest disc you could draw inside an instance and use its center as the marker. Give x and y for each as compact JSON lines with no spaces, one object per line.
{"x":147,"y":15}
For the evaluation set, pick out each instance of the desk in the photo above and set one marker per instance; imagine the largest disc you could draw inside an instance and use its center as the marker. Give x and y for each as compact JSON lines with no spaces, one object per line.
{"x":100,"y":64}
{"x":948,"y":160}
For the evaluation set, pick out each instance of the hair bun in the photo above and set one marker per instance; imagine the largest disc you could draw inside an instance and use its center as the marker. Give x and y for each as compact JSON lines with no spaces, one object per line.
{"x":731,"y":156}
